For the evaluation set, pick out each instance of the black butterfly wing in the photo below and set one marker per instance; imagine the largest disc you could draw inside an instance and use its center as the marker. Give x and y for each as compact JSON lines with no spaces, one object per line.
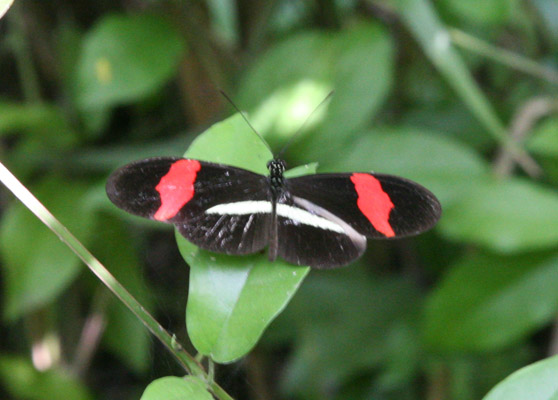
{"x":311,"y":235}
{"x":375,"y":205}
{"x":198,"y":197}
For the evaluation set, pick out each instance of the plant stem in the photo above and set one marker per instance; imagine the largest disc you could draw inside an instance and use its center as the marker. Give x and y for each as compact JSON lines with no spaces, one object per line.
{"x":186,"y":360}
{"x":503,"y":56}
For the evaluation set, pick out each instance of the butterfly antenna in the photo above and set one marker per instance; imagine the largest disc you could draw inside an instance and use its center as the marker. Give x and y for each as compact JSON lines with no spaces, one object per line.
{"x":245,"y":119}
{"x":299,"y":130}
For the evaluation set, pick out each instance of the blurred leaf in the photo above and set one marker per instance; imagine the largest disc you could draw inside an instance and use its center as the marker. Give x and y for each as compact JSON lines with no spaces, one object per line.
{"x":506,"y":216}
{"x":427,"y":28}
{"x":535,"y":382}
{"x":409,"y":152}
{"x":548,"y":11}
{"x":37,"y":265}
{"x":344,"y":323}
{"x":43,"y":122}
{"x":5,"y":6}
{"x":174,"y":388}
{"x":126,"y":58}
{"x":125,"y":335}
{"x":544,"y":139}
{"x":22,"y":381}
{"x":232,"y":299}
{"x":486,"y":12}
{"x":357,"y":63}
{"x":487,"y":302}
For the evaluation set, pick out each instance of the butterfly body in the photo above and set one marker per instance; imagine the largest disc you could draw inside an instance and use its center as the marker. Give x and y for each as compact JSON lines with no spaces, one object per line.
{"x":321,"y":220}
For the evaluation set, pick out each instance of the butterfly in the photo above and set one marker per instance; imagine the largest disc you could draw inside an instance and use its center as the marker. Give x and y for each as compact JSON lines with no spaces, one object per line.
{"x":320,"y":220}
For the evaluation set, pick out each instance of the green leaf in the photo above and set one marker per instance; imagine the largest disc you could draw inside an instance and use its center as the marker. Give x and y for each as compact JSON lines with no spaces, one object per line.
{"x":124,"y":335}
{"x":232,"y":299}
{"x":487,"y":302}
{"x":428,"y":29}
{"x":126,"y":58}
{"x":506,"y":216}
{"x":345,"y":323}
{"x":357,"y":63}
{"x":535,"y":382}
{"x":408,"y":152}
{"x":174,"y":388}
{"x":544,"y":139}
{"x":486,"y":12}
{"x":37,"y":265}
{"x":42,"y":122}
{"x":21,"y":380}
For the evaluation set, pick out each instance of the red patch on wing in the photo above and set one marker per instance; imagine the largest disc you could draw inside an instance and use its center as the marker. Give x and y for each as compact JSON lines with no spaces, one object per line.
{"x":176,"y":188}
{"x":373,"y":202}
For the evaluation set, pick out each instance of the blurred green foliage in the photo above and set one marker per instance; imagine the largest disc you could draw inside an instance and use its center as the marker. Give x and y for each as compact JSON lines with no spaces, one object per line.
{"x":86,"y":87}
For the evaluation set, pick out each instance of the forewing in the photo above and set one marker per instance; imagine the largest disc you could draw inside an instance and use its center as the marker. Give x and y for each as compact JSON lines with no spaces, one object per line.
{"x":181,"y":191}
{"x":375,"y":205}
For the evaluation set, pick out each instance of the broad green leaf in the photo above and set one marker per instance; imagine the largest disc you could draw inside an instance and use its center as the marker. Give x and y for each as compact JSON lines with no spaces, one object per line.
{"x":487,"y":302}
{"x":486,"y":12}
{"x":124,"y":335}
{"x":357,"y":63}
{"x":42,"y":122}
{"x":126,"y":58}
{"x":174,"y":388}
{"x":232,"y":299}
{"x":37,"y":265}
{"x":537,"y":381}
{"x":506,"y":216}
{"x":22,"y":381}
{"x":435,"y":161}
{"x":544,"y":139}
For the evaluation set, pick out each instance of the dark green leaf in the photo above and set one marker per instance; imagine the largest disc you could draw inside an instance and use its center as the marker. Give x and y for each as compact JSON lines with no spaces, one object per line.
{"x":487,"y":301}
{"x":37,"y":265}
{"x":125,"y":335}
{"x":126,"y":58}
{"x":22,"y":380}
{"x":507,"y":216}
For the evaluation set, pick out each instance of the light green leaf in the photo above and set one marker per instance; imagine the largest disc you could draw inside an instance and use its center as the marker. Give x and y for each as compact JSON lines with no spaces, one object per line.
{"x":538,"y":381}
{"x":544,"y":139}
{"x":22,"y":381}
{"x":232,"y":299}
{"x":487,"y":302}
{"x":126,"y":58}
{"x":506,"y":216}
{"x":37,"y":265}
{"x":357,"y":63}
{"x":174,"y":388}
